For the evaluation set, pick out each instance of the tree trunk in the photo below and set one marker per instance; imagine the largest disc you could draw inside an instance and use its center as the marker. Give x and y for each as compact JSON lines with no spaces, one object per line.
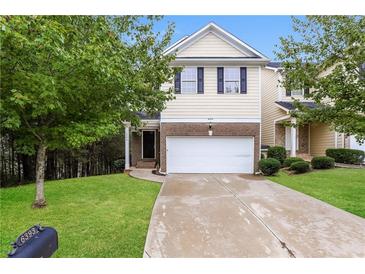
{"x":79,"y":169}
{"x":40,"y":200}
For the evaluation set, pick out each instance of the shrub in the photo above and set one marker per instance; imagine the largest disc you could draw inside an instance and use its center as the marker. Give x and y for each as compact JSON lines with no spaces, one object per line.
{"x":323,"y":162}
{"x":290,"y":160}
{"x":346,"y":156}
{"x":277,"y":152}
{"x":269,"y":166}
{"x":262,"y":156}
{"x":118,"y":164}
{"x":299,"y":167}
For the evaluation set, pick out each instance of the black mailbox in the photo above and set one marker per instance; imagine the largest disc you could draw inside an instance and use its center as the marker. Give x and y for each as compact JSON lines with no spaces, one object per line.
{"x":36,"y":242}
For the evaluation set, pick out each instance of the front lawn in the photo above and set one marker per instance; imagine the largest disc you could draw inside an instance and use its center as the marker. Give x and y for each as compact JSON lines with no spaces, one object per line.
{"x":101,"y":216}
{"x":340,"y":187}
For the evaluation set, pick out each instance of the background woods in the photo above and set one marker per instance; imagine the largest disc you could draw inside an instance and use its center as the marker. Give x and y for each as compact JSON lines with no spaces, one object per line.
{"x":68,"y":83}
{"x":103,"y":157}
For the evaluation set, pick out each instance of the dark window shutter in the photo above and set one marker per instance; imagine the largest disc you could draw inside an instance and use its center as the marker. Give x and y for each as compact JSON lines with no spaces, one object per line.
{"x":243,"y":77}
{"x":220,"y":80}
{"x":287,"y":92}
{"x":200,"y":80}
{"x":178,"y":83}
{"x":306,"y":91}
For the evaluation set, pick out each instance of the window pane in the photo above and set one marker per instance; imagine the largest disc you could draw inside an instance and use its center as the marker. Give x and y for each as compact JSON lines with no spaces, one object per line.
{"x":188,"y":74}
{"x":188,"y":87}
{"x":231,"y":86}
{"x":188,"y":80}
{"x":232,"y":74}
{"x":297,"y":92}
{"x":231,"y":80}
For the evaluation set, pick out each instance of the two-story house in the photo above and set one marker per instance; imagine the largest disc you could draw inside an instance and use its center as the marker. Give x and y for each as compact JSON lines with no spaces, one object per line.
{"x":228,"y":107}
{"x":214,"y":123}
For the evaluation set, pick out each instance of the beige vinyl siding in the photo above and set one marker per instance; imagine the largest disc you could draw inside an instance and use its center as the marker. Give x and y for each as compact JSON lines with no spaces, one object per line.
{"x":210,"y":46}
{"x":213,"y":105}
{"x":270,"y":111}
{"x":321,"y":138}
{"x":339,"y":140}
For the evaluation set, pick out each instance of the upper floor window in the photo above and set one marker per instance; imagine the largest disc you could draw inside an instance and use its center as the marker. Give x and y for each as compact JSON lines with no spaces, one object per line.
{"x":231,"y":80}
{"x":189,"y":80}
{"x":297,"y":92}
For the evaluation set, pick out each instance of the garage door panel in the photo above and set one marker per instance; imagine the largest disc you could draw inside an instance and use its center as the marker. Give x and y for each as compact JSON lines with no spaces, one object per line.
{"x":209,"y":154}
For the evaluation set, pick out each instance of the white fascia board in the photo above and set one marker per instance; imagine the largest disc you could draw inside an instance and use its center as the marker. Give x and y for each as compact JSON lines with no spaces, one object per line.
{"x":175,"y":44}
{"x":283,"y":108}
{"x":211,"y":120}
{"x":282,"y":119}
{"x":274,"y":69}
{"x":219,"y":61}
{"x":187,"y":40}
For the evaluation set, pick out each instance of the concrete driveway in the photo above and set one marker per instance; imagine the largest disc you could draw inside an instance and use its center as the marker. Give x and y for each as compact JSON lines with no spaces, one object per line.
{"x":231,"y":215}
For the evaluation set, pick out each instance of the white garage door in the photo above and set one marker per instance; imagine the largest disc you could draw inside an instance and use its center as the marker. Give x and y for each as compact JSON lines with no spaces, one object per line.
{"x":209,"y":154}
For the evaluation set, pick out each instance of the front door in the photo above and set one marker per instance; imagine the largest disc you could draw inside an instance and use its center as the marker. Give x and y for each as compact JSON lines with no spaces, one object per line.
{"x":148,"y":144}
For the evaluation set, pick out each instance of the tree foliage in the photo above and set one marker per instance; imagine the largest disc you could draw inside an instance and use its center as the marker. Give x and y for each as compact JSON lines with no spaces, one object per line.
{"x":67,"y":81}
{"x":326,"y":55}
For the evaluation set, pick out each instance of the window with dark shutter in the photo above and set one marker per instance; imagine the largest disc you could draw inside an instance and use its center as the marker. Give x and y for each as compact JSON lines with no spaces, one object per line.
{"x":287,"y":93}
{"x":243,"y":78}
{"x":220,"y":80}
{"x":178,"y":83}
{"x":200,"y":80}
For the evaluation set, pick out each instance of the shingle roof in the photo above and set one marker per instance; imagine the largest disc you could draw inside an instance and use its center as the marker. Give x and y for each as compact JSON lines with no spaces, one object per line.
{"x":274,"y":64}
{"x":146,"y":116}
{"x":290,"y":105}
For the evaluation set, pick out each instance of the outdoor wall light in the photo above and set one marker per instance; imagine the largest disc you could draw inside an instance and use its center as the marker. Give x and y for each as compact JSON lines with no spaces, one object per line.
{"x":210,"y":130}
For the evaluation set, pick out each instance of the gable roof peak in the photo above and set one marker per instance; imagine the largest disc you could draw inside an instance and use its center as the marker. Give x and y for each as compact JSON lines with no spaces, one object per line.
{"x":220,"y":32}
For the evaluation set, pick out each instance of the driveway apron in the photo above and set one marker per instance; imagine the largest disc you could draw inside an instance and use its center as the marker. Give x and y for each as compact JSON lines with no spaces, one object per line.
{"x":232,"y":215}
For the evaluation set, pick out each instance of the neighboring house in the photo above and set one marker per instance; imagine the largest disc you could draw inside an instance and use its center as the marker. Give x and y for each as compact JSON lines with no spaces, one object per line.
{"x":228,"y":106}
{"x":308,"y":140}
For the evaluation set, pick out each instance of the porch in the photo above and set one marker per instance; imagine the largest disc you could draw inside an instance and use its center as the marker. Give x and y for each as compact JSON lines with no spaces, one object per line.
{"x":308,"y":140}
{"x":296,"y":140}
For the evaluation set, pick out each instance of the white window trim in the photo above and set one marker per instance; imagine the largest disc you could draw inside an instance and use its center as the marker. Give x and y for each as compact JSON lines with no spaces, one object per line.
{"x":224,"y":80}
{"x":196,"y":81}
{"x":154,"y":132}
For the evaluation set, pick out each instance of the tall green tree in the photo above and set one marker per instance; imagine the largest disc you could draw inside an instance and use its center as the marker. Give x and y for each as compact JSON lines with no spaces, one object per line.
{"x":67,"y":81}
{"x":327,"y":55}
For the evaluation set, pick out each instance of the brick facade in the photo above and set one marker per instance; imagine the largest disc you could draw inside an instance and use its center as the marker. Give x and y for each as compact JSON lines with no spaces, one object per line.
{"x":201,"y":129}
{"x":279,"y":135}
{"x":303,"y":139}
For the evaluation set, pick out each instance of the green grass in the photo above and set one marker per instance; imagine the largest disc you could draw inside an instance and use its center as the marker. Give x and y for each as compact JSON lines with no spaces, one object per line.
{"x":101,"y":216}
{"x":341,"y":187}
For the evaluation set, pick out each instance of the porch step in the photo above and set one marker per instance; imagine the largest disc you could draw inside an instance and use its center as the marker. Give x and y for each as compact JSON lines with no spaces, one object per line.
{"x":146,"y":164}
